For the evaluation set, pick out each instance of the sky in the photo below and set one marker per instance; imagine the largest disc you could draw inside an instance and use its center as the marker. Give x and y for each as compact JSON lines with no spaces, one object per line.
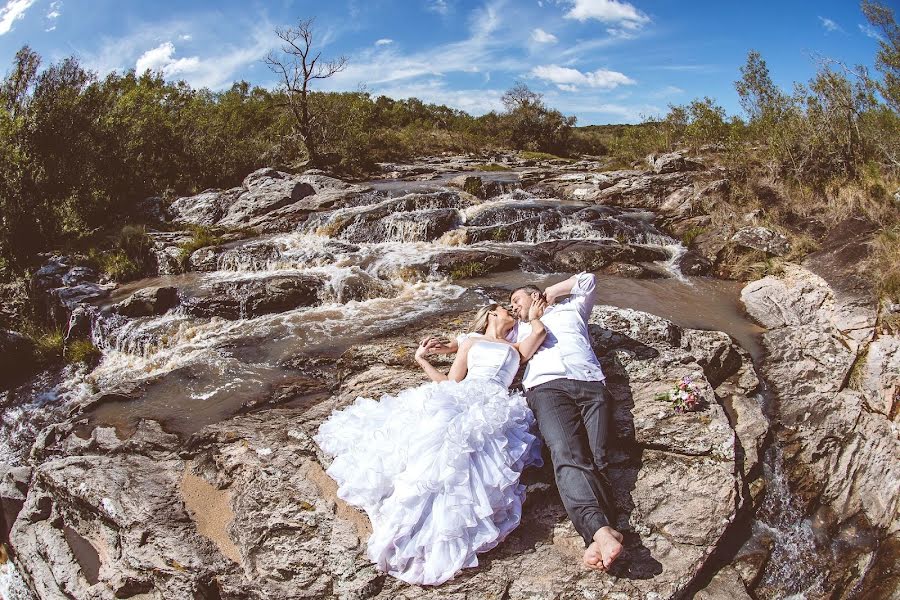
{"x":604,"y":61}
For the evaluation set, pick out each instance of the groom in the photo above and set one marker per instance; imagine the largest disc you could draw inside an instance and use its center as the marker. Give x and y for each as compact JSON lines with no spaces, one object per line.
{"x":565,"y":390}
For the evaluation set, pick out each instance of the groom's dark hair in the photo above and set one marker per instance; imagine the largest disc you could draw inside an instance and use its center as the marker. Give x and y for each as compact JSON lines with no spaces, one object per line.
{"x":528,"y":289}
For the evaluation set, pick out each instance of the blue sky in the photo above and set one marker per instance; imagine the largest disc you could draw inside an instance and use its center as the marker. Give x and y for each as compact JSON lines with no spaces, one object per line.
{"x":604,"y":61}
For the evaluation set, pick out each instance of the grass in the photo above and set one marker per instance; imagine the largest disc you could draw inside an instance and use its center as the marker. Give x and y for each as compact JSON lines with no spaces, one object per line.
{"x":468,"y":269}
{"x":531,"y":155}
{"x":201,"y":238}
{"x":884,"y":263}
{"x":688,"y":237}
{"x":82,"y":351}
{"x":492,"y":167}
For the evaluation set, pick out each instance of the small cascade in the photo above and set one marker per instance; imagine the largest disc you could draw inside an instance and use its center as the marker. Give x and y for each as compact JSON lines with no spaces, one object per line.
{"x":795,"y":568}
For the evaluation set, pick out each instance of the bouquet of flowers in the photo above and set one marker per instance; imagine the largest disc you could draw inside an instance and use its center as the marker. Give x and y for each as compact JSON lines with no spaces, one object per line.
{"x":685,"y":396}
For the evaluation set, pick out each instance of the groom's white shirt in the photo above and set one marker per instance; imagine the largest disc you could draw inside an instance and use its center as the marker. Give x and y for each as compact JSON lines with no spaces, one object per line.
{"x":566,"y":351}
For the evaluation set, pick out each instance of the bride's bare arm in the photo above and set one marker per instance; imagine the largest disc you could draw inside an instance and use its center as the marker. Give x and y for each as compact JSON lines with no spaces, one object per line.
{"x":530,"y":345}
{"x":457,"y":370}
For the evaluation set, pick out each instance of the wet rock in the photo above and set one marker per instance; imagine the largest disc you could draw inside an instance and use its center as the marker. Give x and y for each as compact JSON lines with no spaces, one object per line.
{"x":244,"y":299}
{"x":463,"y":264}
{"x":413,"y":217}
{"x":149,"y":301}
{"x":581,"y":255}
{"x":762,"y":239}
{"x":16,"y":357}
{"x":693,"y":263}
{"x":672,"y":162}
{"x":530,"y":229}
{"x":630,"y":271}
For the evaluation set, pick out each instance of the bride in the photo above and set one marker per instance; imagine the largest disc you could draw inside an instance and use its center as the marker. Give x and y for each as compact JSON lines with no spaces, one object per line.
{"x":437,"y":467}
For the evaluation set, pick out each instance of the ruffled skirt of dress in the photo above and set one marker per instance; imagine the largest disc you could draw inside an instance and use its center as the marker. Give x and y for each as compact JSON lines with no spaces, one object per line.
{"x":437,"y":469}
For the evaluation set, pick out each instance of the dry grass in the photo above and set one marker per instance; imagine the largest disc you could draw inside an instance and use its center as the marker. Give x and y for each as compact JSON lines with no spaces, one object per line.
{"x":884,"y":263}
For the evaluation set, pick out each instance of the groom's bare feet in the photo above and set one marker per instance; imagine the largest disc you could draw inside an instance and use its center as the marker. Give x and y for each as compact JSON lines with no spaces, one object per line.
{"x":605,"y":549}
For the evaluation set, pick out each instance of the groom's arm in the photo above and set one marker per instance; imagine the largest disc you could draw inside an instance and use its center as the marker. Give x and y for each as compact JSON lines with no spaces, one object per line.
{"x":582,"y":286}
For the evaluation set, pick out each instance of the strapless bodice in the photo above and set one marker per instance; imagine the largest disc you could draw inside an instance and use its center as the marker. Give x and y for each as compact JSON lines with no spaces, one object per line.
{"x":494,"y":361}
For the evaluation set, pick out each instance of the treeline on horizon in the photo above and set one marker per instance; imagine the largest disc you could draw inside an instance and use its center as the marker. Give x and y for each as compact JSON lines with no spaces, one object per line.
{"x":78,"y":153}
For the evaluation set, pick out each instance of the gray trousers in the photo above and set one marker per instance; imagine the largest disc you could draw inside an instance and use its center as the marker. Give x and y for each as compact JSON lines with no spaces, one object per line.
{"x":573,"y":417}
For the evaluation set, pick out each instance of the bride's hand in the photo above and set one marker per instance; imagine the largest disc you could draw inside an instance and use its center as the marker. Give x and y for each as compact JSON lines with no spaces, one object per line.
{"x":423,"y":349}
{"x":536,"y":310}
{"x":436,"y":345}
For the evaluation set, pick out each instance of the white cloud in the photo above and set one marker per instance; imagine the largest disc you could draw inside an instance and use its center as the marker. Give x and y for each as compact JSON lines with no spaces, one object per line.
{"x":55,"y":11}
{"x":621,"y":14}
{"x":486,"y":48}
{"x":869,"y":32}
{"x":384,"y":42}
{"x":13,"y":11}
{"x":475,"y":102}
{"x":565,"y":76}
{"x":161,"y":59}
{"x":186,"y":37}
{"x":829,"y":25}
{"x":542,"y":37}
{"x":438,"y":6}
{"x":567,"y":88}
{"x":215,"y":70}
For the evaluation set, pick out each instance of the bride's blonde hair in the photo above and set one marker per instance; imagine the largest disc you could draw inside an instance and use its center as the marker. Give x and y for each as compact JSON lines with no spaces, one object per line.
{"x":480,"y":322}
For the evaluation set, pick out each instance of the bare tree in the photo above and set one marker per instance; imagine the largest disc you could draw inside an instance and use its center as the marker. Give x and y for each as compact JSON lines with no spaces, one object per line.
{"x":298,"y":65}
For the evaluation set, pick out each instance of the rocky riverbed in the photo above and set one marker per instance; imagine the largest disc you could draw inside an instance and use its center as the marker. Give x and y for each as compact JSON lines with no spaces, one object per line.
{"x":182,"y":465}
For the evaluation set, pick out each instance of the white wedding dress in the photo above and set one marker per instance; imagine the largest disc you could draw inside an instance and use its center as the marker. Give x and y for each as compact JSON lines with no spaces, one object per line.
{"x":437,"y":467}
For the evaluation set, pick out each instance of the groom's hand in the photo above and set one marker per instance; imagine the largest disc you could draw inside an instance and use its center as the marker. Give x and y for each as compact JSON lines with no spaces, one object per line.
{"x":436,"y":345}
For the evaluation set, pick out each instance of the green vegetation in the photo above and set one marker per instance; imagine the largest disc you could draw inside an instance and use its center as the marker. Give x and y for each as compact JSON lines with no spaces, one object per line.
{"x":468,"y":269}
{"x":492,"y":167}
{"x":82,"y":351}
{"x":201,"y":238}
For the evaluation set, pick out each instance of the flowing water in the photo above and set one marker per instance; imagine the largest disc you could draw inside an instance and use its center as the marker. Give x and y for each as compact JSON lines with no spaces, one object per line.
{"x":376,"y":262}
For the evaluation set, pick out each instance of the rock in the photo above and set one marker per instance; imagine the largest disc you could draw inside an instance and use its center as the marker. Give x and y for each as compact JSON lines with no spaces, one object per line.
{"x":693,"y":263}
{"x":206,"y":208}
{"x":725,"y":585}
{"x":266,"y":190}
{"x":413,"y":217}
{"x":838,"y":452}
{"x":572,"y":256}
{"x":463,"y":264}
{"x":879,"y":376}
{"x":16,"y":357}
{"x":245,"y":509}
{"x":14,"y":483}
{"x":672,"y":162}
{"x":244,"y":299}
{"x":530,"y":229}
{"x":762,"y":239}
{"x":149,"y":301}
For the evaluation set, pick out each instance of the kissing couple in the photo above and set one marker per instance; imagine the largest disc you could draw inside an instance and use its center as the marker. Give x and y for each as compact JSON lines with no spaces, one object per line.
{"x":437,"y":466}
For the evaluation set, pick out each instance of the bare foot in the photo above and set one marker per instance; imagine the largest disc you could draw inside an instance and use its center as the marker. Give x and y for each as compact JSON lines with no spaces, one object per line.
{"x":605,"y":549}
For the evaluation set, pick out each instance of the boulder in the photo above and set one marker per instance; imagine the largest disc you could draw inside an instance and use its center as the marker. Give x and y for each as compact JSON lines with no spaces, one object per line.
{"x":248,"y":298}
{"x":148,"y":301}
{"x":672,"y":162}
{"x":762,"y":239}
{"x":206,"y":208}
{"x":573,"y":256}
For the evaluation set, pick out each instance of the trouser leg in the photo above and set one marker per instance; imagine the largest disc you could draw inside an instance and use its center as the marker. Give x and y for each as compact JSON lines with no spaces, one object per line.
{"x":570,"y":418}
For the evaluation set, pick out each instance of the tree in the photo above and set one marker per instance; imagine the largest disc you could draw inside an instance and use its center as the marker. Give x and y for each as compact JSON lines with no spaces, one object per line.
{"x":298,"y":66}
{"x":530,"y":125}
{"x":759,"y":96}
{"x":19,"y":81}
{"x":888,"y":58}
